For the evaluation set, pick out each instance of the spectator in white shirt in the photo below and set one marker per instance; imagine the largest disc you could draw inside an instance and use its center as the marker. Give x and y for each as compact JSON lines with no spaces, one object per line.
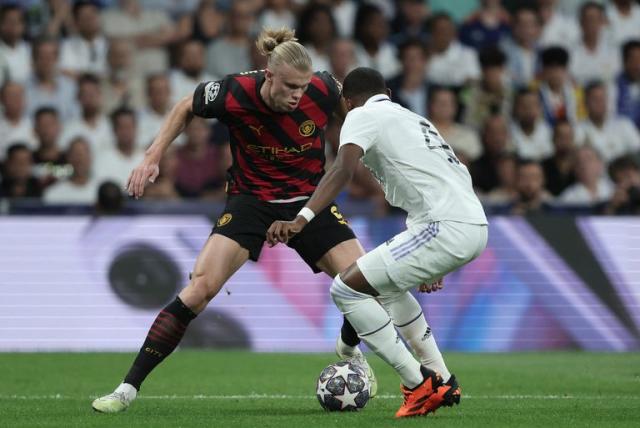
{"x":594,"y":57}
{"x":123,"y":85}
{"x":442,"y":112}
{"x":116,"y":163}
{"x":557,"y":29}
{"x":86,"y":52}
{"x":530,"y":134}
{"x":315,"y":31}
{"x":158,"y":106}
{"x":344,"y":12}
{"x":522,"y":48}
{"x":624,"y":18}
{"x":611,"y":136}
{"x":92,"y":124}
{"x":47,"y":86}
{"x":452,"y":63}
{"x":151,"y":31}
{"x":592,"y":186}
{"x":342,"y":58}
{"x":372,"y":49}
{"x":230,"y":53}
{"x":81,"y":188}
{"x":12,"y":45}
{"x":277,"y":14}
{"x":190,"y":71}
{"x":15,"y":125}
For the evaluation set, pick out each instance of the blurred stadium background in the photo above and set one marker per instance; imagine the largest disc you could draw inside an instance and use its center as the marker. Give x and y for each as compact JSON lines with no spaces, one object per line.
{"x":540,"y":98}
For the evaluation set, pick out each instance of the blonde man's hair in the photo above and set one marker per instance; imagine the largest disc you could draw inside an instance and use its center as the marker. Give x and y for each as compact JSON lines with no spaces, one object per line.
{"x":282,"y":47}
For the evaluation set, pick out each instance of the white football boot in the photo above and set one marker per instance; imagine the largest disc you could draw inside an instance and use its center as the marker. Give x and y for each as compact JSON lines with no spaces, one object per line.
{"x":116,"y":402}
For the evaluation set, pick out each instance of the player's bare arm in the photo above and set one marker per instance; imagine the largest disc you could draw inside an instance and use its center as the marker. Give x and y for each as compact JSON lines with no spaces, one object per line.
{"x":330,"y":186}
{"x":340,"y":113}
{"x":148,"y":170}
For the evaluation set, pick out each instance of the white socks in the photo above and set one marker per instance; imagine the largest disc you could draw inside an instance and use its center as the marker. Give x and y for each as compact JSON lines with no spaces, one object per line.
{"x":346,"y":350}
{"x":410,"y":322}
{"x":374,"y":326}
{"x":129,"y":391}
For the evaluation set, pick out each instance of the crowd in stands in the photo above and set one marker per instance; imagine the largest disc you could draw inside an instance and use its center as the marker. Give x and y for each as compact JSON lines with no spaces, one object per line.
{"x":541,"y":103}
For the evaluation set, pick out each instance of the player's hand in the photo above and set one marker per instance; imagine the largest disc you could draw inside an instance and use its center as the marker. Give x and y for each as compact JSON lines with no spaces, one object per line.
{"x":282,"y":231}
{"x":428,"y":288}
{"x":146,"y":172}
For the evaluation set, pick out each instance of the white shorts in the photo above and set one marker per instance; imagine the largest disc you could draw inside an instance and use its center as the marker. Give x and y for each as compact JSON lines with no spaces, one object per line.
{"x":410,"y":259}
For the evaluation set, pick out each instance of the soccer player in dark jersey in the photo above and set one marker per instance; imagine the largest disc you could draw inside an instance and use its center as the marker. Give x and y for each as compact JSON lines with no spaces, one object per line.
{"x":276,"y":119}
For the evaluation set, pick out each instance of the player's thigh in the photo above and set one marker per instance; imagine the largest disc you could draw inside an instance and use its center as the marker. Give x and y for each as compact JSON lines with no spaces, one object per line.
{"x":340,"y":257}
{"x":412,"y":258}
{"x":219,"y":259}
{"x":245,"y":220}
{"x":327,"y":243}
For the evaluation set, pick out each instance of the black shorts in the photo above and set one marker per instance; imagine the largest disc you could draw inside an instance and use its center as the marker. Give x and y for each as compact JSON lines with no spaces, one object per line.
{"x":246,"y":220}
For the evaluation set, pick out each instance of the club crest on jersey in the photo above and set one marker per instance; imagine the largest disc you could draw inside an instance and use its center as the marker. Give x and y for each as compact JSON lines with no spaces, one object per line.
{"x":307,"y":128}
{"x":224,"y":219}
{"x":211,"y":91}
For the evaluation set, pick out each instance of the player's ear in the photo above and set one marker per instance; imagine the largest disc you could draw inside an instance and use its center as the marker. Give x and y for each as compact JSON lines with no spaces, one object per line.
{"x":349,"y":104}
{"x":268,"y":74}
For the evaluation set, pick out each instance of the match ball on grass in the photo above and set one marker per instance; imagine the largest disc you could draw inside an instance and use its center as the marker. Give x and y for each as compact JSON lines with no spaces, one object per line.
{"x":343,"y":386}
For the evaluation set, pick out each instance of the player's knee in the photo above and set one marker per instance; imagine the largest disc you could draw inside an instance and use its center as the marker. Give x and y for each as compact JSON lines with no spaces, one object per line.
{"x":388,"y":299}
{"x":204,"y":287}
{"x":343,"y":295}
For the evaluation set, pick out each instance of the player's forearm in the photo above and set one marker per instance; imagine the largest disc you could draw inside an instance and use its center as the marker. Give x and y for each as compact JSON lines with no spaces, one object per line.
{"x":179,"y":117}
{"x":330,"y":186}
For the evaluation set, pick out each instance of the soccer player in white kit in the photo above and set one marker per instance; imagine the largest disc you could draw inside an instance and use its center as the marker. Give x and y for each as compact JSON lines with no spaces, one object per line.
{"x":446,"y":229}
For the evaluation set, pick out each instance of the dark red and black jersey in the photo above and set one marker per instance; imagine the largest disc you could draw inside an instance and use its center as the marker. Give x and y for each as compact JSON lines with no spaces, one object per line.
{"x":275,"y":155}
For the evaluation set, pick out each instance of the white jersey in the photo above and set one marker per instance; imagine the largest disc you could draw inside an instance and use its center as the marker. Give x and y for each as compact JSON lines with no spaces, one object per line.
{"x":417,"y":169}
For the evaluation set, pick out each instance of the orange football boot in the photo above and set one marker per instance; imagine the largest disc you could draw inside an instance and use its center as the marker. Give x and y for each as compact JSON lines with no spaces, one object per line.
{"x":447,"y":394}
{"x":421,"y":399}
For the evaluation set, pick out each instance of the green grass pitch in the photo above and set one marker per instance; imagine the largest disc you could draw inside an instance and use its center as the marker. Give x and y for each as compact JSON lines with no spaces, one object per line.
{"x":242,"y":389}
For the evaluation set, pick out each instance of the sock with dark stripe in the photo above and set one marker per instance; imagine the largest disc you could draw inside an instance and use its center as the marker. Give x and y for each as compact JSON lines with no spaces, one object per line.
{"x":410,"y":322}
{"x":163,"y":337}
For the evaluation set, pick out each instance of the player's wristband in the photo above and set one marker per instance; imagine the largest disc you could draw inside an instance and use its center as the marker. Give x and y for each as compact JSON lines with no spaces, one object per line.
{"x":307,"y":213}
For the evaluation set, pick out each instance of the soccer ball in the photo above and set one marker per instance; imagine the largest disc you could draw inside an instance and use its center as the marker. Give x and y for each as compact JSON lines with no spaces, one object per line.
{"x":343,"y":386}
